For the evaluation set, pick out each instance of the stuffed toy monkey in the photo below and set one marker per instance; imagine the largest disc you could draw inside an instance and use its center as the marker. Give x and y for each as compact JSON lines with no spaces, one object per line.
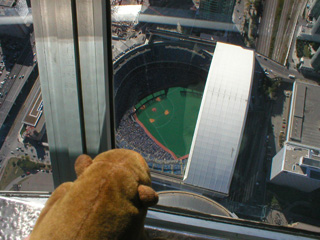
{"x":108,"y":200}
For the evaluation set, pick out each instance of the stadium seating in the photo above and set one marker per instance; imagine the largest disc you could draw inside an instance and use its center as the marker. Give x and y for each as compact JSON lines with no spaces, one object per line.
{"x":144,"y":70}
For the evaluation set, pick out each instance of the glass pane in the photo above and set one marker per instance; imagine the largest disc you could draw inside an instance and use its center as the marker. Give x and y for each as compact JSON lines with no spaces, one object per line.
{"x":244,"y":148}
{"x":24,"y":156}
{"x":219,"y":97}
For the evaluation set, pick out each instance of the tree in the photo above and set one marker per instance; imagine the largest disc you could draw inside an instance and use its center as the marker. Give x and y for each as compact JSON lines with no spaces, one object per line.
{"x":275,"y":203}
{"x":251,"y":42}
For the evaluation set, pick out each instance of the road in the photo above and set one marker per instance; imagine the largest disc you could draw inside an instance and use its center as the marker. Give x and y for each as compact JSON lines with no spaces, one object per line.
{"x":279,"y":70}
{"x":12,"y":87}
{"x":266,"y":26}
{"x":16,"y":181}
{"x":26,"y":58}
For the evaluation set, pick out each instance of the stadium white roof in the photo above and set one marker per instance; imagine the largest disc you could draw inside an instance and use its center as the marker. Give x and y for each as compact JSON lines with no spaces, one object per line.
{"x":221,"y":120}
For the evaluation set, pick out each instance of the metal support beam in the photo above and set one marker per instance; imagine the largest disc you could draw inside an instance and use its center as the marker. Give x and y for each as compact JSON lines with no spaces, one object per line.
{"x":76,"y":79}
{"x":95,"y":56}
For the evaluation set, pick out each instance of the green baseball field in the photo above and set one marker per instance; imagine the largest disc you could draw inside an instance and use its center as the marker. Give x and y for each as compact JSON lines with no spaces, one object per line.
{"x":170,"y":117}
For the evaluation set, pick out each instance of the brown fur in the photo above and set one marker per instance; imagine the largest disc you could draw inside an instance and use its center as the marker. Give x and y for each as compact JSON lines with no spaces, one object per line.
{"x":108,"y":200}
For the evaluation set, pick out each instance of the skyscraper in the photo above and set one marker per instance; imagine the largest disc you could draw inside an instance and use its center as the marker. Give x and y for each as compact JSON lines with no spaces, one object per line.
{"x":216,"y":9}
{"x":315,"y":9}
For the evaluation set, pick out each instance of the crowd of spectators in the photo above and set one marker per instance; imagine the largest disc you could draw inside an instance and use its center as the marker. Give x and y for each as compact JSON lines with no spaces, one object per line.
{"x":142,"y":71}
{"x":131,"y":136}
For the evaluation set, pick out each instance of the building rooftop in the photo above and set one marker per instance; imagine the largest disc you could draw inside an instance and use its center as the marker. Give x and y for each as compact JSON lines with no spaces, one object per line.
{"x":35,"y":111}
{"x":306,"y":63}
{"x":221,"y":120}
{"x":304,"y":126}
{"x":299,"y":159}
{"x":305,"y":33}
{"x":293,"y":157}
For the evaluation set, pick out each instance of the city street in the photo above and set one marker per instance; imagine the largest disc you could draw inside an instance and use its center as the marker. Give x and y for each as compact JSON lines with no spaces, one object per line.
{"x":12,"y":87}
{"x":279,"y":70}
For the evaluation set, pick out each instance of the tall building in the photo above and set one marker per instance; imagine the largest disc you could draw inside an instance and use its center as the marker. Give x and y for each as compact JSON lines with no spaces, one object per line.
{"x":316,"y":28}
{"x":311,"y":33}
{"x":315,"y":61}
{"x":217,"y":9}
{"x":20,"y":12}
{"x":297,"y":164}
{"x":315,"y":9}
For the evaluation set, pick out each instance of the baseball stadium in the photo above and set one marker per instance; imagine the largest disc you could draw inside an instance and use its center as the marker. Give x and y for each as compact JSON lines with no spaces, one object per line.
{"x":158,"y":92}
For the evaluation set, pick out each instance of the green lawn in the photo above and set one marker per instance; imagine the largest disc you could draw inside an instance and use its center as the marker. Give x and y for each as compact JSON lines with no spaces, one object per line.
{"x":171,"y":119}
{"x":10,"y":173}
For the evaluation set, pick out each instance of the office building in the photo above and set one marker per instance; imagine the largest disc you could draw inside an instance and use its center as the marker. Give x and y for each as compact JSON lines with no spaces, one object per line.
{"x":311,"y":33}
{"x":215,"y":9}
{"x":315,"y":61}
{"x":297,"y":164}
{"x":316,"y":27}
{"x":18,"y":11}
{"x":315,"y":9}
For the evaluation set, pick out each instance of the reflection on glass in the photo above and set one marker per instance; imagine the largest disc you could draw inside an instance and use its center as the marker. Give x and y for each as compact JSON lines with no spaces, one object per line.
{"x":162,"y":54}
{"x":24,"y":158}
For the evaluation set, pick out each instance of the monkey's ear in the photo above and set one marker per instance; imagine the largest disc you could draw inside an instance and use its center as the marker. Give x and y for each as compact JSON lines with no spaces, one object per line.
{"x":82,"y":162}
{"x":147,"y":196}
